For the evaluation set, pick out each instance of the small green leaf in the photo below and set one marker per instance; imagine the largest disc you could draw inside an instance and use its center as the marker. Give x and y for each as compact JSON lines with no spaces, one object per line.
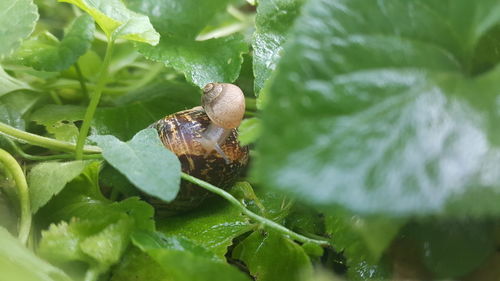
{"x":213,"y":225}
{"x":9,"y":84}
{"x":99,"y":243}
{"x":59,"y":120}
{"x":117,"y":21}
{"x":49,"y":178}
{"x":272,"y":257}
{"x":44,"y":52}
{"x":20,"y":264}
{"x":273,"y":22}
{"x":145,"y":162}
{"x":249,"y":131}
{"x":108,"y":245}
{"x":391,"y":116}
{"x":17,"y":21}
{"x":201,"y":62}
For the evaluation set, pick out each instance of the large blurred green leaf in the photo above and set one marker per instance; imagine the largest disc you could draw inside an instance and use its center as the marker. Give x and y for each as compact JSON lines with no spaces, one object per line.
{"x":117,"y":21}
{"x":452,"y":248}
{"x":213,"y":225}
{"x":44,"y":52}
{"x":145,"y":161}
{"x":19,"y":263}
{"x":178,"y":23}
{"x":274,"y":19}
{"x":375,"y":106}
{"x":17,"y":21}
{"x":272,"y":257}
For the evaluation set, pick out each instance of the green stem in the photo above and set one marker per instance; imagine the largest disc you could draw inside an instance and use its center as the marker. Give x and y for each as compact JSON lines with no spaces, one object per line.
{"x":262,"y":220}
{"x":25,"y":155}
{"x":24,"y":199}
{"x":43,"y":141}
{"x":81,"y":79}
{"x":94,"y":101}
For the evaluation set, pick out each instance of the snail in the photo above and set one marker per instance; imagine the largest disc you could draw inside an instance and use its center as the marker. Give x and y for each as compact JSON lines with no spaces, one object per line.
{"x":205,"y":140}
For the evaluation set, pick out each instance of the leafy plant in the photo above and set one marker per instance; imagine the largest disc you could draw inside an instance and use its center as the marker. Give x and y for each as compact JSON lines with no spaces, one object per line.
{"x":372,"y":129}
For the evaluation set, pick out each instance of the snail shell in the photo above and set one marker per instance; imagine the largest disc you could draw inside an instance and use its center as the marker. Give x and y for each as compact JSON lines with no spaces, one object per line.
{"x":180,"y":132}
{"x":224,"y":103}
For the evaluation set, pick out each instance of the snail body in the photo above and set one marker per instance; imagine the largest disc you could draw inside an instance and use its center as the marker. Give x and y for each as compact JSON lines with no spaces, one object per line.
{"x":206,"y":151}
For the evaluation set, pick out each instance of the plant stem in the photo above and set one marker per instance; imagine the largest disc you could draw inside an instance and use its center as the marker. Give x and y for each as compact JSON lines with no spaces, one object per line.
{"x":94,"y":101}
{"x":262,"y":220}
{"x":25,"y":155}
{"x":44,"y":141}
{"x":81,"y":79}
{"x":24,"y":199}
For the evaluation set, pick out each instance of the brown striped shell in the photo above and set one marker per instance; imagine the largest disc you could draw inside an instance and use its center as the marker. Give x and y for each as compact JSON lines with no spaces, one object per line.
{"x":180,"y":132}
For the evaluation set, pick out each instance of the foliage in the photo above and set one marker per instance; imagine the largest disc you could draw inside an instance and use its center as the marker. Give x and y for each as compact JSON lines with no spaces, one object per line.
{"x":372,"y":129}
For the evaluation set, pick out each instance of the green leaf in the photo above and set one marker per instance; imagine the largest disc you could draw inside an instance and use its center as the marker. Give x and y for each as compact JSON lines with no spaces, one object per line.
{"x":117,"y":21}
{"x":8,"y":214}
{"x":453,"y":248}
{"x":44,"y":52}
{"x":156,"y":240}
{"x":213,"y":225}
{"x":392,"y":119}
{"x":272,"y":24}
{"x":98,"y":232}
{"x":178,"y":255}
{"x":19,"y":263}
{"x":173,"y":264}
{"x":179,"y":267}
{"x":59,"y":120}
{"x":361,"y":239}
{"x":217,"y":59}
{"x":145,"y":162}
{"x":137,"y":265}
{"x":17,"y":21}
{"x":272,"y":257}
{"x":107,"y":246}
{"x":49,"y":178}
{"x":11,"y":117}
{"x":249,"y":131}
{"x":10,"y":84}
{"x":22,"y":101}
{"x":99,"y":243}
